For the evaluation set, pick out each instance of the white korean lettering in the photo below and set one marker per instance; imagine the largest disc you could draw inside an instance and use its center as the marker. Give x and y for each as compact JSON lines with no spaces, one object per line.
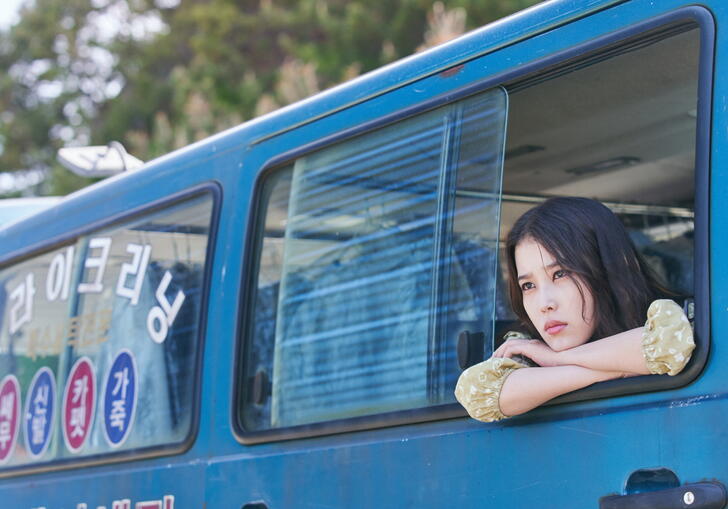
{"x":117,"y":419}
{"x":41,"y":398}
{"x":161,"y":317}
{"x":59,"y":275}
{"x":78,"y":413}
{"x":7,"y":404}
{"x":4,"y":434}
{"x":170,"y":310}
{"x":80,"y":389}
{"x":37,"y":426}
{"x":21,"y":309}
{"x":122,"y":381}
{"x":167,"y":503}
{"x":137,"y":268}
{"x":78,"y":421}
{"x":39,"y":420}
{"x":148,"y":504}
{"x":97,"y":263}
{"x":157,"y":324}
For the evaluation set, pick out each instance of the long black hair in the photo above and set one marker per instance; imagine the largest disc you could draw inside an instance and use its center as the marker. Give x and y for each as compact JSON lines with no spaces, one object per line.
{"x":591,"y":244}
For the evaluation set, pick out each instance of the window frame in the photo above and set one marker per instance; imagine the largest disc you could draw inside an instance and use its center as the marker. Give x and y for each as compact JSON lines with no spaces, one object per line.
{"x":256,"y":216}
{"x":706,"y":25}
{"x":212,"y":189}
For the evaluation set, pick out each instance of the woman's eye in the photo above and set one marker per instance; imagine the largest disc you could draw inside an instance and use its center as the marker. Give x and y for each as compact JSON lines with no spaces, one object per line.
{"x":559,"y":274}
{"x":526,"y":286}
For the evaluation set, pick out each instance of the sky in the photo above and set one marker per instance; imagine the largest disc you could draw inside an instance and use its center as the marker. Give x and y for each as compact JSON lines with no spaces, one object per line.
{"x":8,"y":11}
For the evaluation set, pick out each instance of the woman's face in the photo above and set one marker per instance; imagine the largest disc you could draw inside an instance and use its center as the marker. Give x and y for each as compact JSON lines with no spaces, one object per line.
{"x":552,"y":299}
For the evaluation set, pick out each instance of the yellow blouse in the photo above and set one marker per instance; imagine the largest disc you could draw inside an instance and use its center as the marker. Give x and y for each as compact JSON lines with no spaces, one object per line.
{"x":667,"y":343}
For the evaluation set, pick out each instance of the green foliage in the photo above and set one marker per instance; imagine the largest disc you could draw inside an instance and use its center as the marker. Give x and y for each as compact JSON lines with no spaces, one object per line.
{"x":86,"y":71}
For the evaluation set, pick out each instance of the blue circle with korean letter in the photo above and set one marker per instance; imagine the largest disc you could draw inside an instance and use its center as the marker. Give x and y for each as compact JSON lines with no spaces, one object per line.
{"x":39,"y":408}
{"x":120,"y":398}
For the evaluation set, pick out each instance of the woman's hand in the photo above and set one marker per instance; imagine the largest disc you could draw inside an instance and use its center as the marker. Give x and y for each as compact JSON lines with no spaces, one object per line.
{"x":535,"y":349}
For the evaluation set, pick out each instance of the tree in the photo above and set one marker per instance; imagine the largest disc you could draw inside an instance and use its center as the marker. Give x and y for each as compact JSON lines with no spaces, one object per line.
{"x":157,"y":75}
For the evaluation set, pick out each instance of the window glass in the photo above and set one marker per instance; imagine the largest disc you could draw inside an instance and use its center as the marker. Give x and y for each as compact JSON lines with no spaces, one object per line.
{"x":373,"y":255}
{"x":99,"y":339}
{"x":619,"y":126}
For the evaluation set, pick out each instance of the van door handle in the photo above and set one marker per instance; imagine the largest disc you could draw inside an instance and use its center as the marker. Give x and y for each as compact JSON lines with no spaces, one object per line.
{"x":699,"y":495}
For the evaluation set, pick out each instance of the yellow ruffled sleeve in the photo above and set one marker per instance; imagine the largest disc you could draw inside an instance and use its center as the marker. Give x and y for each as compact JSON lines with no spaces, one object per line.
{"x":478,"y":388}
{"x":667,"y":341}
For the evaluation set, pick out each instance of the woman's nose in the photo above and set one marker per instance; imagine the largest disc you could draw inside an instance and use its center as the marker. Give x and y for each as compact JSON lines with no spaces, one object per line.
{"x":548,"y":302}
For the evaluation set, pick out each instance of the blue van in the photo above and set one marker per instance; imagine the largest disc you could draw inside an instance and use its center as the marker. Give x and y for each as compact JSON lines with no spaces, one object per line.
{"x":14,"y":209}
{"x":275,"y":317}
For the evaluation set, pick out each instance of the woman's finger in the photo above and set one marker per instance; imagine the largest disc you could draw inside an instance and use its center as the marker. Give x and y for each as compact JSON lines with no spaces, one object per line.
{"x":499,"y":351}
{"x":504,"y":349}
{"x":511,"y":350}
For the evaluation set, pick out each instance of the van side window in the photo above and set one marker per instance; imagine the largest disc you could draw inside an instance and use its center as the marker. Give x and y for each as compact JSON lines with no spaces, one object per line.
{"x":617,"y":125}
{"x":372,"y":255}
{"x":101,"y":338}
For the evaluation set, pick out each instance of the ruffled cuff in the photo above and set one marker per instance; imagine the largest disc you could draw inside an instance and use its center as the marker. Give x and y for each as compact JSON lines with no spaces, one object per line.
{"x":478,"y":388}
{"x":667,"y":341}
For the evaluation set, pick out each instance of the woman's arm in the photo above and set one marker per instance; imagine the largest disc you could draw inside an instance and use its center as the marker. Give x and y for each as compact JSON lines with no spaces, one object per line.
{"x":663,"y":345}
{"x":622,"y":352}
{"x":527,"y":388}
{"x":500,"y":386}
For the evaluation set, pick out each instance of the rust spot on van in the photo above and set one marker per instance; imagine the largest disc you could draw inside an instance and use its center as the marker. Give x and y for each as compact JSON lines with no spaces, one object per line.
{"x":447,"y":73}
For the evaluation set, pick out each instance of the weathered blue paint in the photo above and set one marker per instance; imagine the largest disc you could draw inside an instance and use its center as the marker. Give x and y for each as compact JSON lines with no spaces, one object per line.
{"x":559,"y":456}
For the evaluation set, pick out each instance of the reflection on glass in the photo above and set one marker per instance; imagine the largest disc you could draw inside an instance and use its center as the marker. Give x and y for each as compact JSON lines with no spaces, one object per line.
{"x":374,"y":255}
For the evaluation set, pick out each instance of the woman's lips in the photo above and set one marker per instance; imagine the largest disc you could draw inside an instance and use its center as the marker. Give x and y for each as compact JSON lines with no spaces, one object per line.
{"x":553,"y":328}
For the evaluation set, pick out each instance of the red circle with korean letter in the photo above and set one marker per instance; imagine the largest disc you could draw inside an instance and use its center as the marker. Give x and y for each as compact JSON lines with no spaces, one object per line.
{"x":79,"y":404}
{"x":9,"y":416}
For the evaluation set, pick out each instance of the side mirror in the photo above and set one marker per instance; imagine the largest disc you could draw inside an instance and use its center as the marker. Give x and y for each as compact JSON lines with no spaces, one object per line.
{"x":98,"y":161}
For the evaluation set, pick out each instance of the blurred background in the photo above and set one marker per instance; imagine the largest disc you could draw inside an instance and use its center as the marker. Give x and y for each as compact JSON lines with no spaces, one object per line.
{"x":157,"y":75}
